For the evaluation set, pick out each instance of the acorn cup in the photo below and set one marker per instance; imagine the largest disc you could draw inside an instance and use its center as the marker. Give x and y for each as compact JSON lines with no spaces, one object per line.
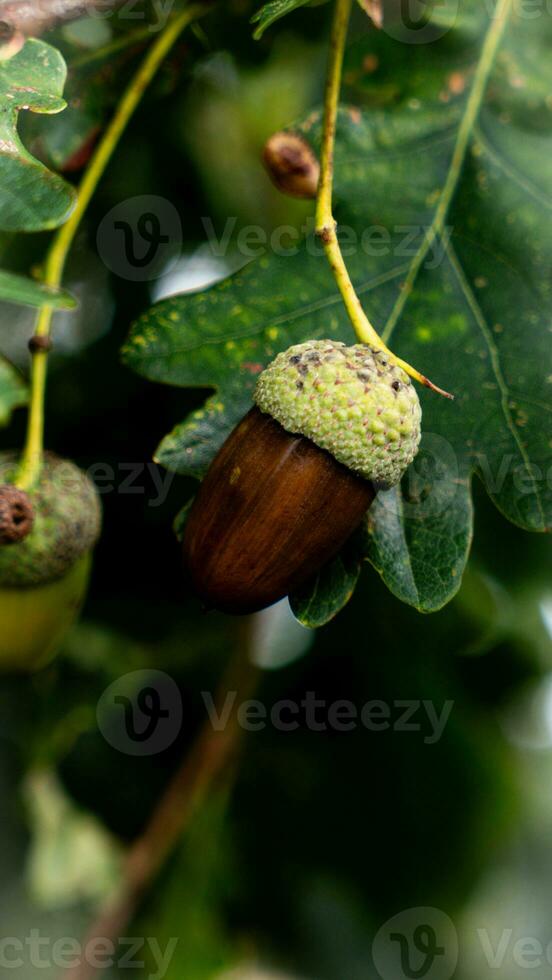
{"x":46,"y":542}
{"x":332,"y":425}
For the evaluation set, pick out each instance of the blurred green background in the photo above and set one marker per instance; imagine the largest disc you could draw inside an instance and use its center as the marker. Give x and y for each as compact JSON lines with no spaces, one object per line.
{"x":318,"y":838}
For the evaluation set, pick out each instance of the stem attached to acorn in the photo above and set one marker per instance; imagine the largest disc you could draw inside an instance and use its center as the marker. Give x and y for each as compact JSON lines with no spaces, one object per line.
{"x":31,"y":461}
{"x":326,"y":226}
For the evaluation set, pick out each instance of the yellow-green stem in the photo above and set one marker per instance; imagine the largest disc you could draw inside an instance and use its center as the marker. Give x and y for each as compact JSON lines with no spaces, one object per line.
{"x":326,"y":227}
{"x":31,"y":461}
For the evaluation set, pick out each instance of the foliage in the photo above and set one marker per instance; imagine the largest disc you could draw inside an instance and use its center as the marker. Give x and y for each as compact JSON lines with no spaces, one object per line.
{"x":19,"y":289}
{"x":271,"y":12}
{"x":31,"y":196}
{"x":13,"y":391}
{"x":311,"y":839}
{"x":455,"y":275}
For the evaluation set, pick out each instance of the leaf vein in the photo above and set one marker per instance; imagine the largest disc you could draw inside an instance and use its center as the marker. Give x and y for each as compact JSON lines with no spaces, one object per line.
{"x":511,"y":171}
{"x":491,"y":44}
{"x":290,"y":317}
{"x":497,"y":369}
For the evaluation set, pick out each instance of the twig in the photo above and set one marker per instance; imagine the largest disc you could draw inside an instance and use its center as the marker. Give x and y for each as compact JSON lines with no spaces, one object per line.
{"x":326,"y":227}
{"x":34,"y":17}
{"x":31,"y":462}
{"x":209,"y":758}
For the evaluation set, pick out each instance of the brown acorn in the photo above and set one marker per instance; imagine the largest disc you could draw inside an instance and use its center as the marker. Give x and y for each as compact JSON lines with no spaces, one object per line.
{"x":332,"y":425}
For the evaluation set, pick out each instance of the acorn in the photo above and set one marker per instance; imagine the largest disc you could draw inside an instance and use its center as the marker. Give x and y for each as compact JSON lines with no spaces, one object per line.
{"x":331,"y":426}
{"x":46,"y":541}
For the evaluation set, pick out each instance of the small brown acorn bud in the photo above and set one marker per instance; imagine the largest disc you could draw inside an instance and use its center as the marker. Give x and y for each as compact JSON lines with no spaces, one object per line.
{"x":292,"y":482}
{"x":292,"y":165}
{"x":16,"y":515}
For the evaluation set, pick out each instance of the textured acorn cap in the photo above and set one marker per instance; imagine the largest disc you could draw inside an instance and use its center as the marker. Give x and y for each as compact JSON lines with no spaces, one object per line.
{"x":351,"y":401}
{"x":67,"y":522}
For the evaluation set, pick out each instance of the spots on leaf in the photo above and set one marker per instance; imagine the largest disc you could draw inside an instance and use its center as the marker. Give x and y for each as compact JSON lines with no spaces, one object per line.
{"x":253,"y":367}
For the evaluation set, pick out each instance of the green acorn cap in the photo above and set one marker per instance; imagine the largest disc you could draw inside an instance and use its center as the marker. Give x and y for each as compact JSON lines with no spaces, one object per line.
{"x":66,"y":524}
{"x":351,"y":401}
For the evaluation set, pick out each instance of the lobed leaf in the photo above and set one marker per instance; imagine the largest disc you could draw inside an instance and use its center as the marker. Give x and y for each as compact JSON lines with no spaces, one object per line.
{"x":273,"y":11}
{"x":32,"y":198}
{"x":322,"y":598}
{"x":443,"y":195}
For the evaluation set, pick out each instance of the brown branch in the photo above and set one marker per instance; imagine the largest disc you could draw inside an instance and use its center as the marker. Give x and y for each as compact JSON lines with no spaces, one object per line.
{"x":34,"y":17}
{"x":31,"y":18}
{"x":211,"y":755}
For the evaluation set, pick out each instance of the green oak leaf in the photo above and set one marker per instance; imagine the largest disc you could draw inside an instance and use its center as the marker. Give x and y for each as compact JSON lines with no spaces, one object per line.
{"x":13,"y":391}
{"x":444,"y":199}
{"x":273,"y":11}
{"x":32,"y":198}
{"x":27,"y":292}
{"x":330,"y":589}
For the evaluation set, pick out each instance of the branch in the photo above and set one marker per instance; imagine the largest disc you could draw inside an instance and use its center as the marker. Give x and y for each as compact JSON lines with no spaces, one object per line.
{"x":33,"y":17}
{"x":212,"y":756}
{"x":31,"y":462}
